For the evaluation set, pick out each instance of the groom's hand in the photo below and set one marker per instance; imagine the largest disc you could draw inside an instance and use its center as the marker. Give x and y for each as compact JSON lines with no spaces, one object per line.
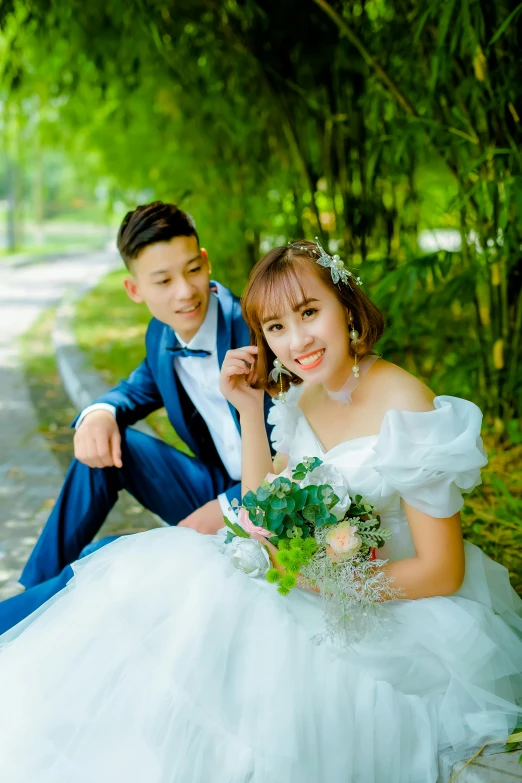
{"x":207,"y":519}
{"x":97,"y":441}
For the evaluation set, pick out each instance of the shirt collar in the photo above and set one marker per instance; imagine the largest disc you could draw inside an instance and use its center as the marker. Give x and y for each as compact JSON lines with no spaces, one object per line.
{"x":206,"y":337}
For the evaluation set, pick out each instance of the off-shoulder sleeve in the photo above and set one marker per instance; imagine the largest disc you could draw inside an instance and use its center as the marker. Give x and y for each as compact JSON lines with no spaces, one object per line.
{"x":284,"y":417}
{"x":430,"y":458}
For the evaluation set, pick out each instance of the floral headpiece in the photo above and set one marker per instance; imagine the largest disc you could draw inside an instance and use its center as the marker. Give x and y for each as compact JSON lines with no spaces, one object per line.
{"x":334,"y":264}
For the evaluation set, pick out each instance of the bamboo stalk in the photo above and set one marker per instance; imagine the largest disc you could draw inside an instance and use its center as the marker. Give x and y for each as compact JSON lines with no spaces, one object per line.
{"x":367,"y":57}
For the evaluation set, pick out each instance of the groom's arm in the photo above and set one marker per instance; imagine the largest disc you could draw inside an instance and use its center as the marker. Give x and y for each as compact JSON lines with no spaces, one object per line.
{"x":97,"y":441}
{"x":130,"y":401}
{"x":133,"y":399}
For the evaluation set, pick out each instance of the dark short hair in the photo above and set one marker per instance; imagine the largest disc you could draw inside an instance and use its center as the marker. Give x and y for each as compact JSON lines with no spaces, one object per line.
{"x":276,"y":278}
{"x":151,"y":223}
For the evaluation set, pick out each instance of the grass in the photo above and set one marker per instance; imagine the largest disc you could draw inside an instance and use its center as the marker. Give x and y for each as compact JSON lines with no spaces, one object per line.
{"x":53,"y":407}
{"x":111,"y":330}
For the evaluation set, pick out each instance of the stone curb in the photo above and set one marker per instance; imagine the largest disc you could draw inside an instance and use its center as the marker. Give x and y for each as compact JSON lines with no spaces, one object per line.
{"x":82,"y":383}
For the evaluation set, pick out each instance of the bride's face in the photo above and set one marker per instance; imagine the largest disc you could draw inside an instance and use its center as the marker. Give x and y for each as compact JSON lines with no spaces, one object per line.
{"x":311,"y":338}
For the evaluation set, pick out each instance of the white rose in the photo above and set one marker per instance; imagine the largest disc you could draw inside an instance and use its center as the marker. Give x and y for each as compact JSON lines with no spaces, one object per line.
{"x":249,"y":556}
{"x":327,"y":474}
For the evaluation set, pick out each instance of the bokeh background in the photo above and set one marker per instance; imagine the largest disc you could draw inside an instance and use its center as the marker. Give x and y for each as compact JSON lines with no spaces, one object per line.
{"x":390,"y":129}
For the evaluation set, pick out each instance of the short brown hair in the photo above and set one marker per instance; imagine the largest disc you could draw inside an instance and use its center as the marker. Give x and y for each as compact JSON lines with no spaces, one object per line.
{"x":276,"y":276}
{"x":151,"y":223}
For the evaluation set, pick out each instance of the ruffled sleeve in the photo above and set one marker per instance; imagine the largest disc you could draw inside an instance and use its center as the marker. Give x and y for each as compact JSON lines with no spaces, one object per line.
{"x":284,"y":417}
{"x":430,"y":458}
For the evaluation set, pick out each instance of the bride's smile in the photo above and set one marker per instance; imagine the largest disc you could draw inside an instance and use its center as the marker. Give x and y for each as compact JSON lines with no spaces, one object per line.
{"x":310,"y":333}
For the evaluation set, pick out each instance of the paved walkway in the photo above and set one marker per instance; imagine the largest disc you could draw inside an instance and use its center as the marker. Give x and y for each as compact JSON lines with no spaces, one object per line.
{"x":30,"y":477}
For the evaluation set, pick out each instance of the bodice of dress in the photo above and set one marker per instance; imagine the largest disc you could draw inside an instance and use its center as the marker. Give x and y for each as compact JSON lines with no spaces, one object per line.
{"x":427,"y":459}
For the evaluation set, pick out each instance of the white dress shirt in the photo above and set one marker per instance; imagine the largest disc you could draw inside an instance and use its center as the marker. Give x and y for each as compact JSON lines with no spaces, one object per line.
{"x":200,"y":378}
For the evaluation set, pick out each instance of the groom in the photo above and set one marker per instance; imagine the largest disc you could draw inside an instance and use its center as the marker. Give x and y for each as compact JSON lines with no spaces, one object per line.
{"x":195,"y":321}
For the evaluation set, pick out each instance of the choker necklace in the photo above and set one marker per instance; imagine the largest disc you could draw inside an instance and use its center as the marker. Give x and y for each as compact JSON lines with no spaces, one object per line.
{"x":345,"y":392}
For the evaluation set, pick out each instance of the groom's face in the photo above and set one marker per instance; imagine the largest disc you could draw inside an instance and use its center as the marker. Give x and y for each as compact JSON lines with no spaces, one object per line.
{"x":172,"y":278}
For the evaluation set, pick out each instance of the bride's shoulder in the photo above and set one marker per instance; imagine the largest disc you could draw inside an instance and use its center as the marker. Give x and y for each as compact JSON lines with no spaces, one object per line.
{"x":394,"y":388}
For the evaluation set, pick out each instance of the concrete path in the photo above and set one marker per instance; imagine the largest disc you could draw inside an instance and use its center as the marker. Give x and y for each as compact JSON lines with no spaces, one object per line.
{"x":30,"y":478}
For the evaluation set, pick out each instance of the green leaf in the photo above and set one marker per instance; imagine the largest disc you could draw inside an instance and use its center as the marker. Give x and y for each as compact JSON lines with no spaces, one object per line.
{"x":237,"y":529}
{"x":310,"y":512}
{"x":250,"y":500}
{"x":325,"y":491}
{"x":285,"y":484}
{"x":278,"y":504}
{"x":333,"y":501}
{"x":274,"y":519}
{"x":230,"y":537}
{"x":505,"y":24}
{"x":313,"y":494}
{"x":262,"y":493}
{"x":300,"y":498}
{"x":420,"y":26}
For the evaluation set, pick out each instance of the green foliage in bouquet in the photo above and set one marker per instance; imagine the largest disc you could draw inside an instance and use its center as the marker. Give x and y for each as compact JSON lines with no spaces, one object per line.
{"x":368,"y":525}
{"x":299,"y":518}
{"x":288,"y":510}
{"x":292,"y":555}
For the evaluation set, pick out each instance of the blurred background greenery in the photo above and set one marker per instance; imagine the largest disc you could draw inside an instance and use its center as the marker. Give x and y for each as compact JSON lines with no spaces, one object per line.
{"x":391,"y":129}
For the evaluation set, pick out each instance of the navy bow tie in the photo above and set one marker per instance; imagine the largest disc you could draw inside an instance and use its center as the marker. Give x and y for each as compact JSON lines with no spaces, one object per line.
{"x":182,"y":352}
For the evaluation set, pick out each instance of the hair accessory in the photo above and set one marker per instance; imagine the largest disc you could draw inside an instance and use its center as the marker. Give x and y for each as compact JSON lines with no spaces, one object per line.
{"x":277,"y":376}
{"x":336,"y":266}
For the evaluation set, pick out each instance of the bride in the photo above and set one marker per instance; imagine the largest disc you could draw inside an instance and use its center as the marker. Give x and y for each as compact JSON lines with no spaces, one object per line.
{"x":162,"y":662}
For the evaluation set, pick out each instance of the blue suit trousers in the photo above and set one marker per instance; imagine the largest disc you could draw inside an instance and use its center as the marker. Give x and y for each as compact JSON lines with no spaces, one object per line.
{"x":163,"y":479}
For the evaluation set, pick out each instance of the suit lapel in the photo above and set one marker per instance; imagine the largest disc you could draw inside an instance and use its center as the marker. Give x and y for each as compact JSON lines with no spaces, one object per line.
{"x":171,"y":397}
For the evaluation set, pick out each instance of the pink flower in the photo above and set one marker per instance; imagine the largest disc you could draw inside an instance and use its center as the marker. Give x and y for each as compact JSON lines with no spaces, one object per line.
{"x":343,"y":540}
{"x":249,"y":527}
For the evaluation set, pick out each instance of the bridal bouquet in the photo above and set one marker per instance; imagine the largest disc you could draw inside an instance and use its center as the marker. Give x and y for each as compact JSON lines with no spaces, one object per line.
{"x":325,"y":540}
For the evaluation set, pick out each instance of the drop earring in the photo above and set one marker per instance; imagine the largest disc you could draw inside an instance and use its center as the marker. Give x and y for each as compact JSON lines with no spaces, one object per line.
{"x":277,"y":376}
{"x":354,"y":336}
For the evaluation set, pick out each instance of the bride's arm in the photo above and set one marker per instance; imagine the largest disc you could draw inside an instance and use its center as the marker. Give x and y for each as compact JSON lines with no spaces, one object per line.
{"x":438,"y":566}
{"x":237,"y":373}
{"x":256,"y":459}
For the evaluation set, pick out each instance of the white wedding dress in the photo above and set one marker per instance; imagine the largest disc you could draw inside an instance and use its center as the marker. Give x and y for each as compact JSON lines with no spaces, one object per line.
{"x":162,"y":663}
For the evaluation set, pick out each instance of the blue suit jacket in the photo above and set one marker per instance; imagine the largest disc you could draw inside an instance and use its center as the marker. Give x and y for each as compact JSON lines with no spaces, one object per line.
{"x":155,"y":384}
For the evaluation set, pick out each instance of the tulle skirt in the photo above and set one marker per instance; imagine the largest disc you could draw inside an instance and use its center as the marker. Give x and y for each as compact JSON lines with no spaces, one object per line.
{"x":161,"y":662}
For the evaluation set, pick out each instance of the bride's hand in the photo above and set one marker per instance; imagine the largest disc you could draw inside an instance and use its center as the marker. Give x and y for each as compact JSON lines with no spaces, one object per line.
{"x":272,"y":553}
{"x":237,"y":373}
